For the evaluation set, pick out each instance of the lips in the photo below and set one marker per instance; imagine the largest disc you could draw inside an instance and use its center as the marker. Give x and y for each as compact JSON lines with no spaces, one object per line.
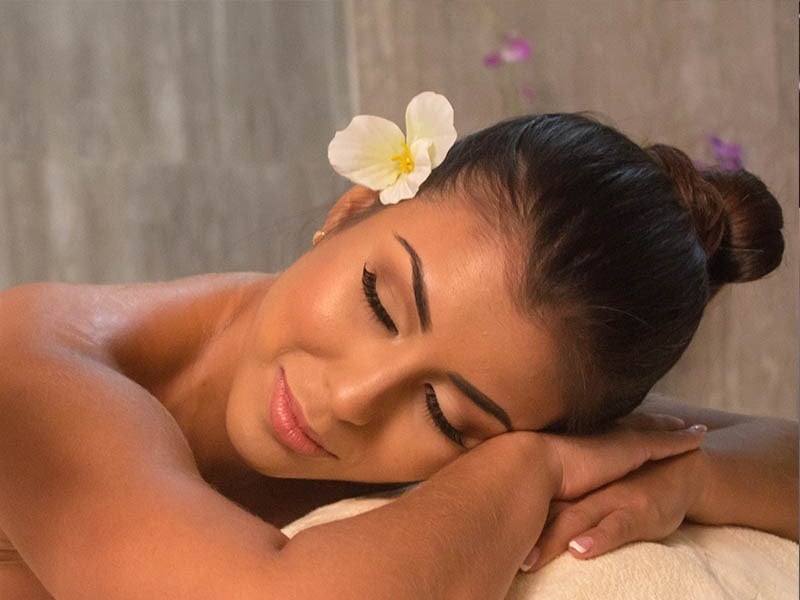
{"x":289,"y":424}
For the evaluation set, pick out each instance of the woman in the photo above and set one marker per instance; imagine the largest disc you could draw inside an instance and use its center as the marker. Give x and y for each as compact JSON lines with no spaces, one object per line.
{"x":547,"y":273}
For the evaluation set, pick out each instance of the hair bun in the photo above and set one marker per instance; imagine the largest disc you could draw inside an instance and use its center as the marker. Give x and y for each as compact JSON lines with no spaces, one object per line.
{"x":738,"y":220}
{"x":752,"y":245}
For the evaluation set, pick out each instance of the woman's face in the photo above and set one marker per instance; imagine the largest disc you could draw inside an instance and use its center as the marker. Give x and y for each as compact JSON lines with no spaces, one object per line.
{"x":388,"y":350}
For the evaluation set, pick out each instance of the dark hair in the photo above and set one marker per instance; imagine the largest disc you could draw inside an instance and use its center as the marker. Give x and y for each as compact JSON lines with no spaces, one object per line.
{"x":622,"y":247}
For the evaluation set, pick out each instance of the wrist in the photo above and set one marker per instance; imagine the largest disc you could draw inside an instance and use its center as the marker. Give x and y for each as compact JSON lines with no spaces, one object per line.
{"x":701,"y":476}
{"x":532,"y":458}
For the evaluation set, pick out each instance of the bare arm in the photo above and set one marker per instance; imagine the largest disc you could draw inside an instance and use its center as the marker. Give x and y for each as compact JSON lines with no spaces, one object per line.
{"x":744,"y":474}
{"x":748,"y":469}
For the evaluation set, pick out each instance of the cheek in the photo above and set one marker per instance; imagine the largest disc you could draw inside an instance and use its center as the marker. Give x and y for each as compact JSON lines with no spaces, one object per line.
{"x":311,"y":305}
{"x":324,"y":306}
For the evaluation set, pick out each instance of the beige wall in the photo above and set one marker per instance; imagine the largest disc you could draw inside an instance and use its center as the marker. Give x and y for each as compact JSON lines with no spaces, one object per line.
{"x":148,"y":140}
{"x":153,"y":139}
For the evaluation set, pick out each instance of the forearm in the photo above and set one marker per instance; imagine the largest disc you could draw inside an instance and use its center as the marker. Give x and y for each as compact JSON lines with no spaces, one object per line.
{"x":464,"y":533}
{"x":461,"y":534}
{"x":747,"y":468}
{"x":750,"y":477}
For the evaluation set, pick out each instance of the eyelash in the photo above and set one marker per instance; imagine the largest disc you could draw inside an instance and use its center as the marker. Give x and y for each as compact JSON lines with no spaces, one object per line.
{"x":369,"y":282}
{"x":438,"y":418}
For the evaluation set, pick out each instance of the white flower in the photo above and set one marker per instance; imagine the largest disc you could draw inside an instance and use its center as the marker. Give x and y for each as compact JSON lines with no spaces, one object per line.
{"x":373,"y":152}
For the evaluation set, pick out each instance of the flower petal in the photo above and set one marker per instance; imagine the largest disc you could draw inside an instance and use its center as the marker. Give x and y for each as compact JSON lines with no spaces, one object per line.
{"x":363,"y":151}
{"x":399,"y":190}
{"x":728,"y":156}
{"x":408,"y":184}
{"x":429,"y":116}
{"x":515,"y":49}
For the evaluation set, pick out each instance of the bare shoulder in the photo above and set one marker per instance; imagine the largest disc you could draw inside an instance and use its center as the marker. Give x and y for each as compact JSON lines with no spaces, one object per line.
{"x":93,"y":468}
{"x":96,"y":310}
{"x":72,"y":355}
{"x":144,"y":324}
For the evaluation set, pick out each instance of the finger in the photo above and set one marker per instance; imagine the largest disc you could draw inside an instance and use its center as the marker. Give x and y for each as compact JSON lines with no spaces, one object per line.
{"x":556,"y":508}
{"x":633,"y":448}
{"x":672,"y":443}
{"x":591,"y":462}
{"x":569,"y":520}
{"x":652,"y":421}
{"x":617,"y":529}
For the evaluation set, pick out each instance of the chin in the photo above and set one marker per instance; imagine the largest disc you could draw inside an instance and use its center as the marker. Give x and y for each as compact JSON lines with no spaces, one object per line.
{"x":247,"y":423}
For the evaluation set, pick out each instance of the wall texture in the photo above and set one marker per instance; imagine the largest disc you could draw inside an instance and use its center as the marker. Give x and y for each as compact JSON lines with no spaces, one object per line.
{"x":154,"y":139}
{"x":148,"y":140}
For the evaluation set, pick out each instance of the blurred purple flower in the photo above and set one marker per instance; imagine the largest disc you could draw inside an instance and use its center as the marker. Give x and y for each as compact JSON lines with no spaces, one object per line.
{"x":727,"y":156}
{"x":514,"y":49}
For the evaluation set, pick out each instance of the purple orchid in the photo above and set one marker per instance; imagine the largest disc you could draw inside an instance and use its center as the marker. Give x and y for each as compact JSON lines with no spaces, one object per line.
{"x":514,"y":49}
{"x":727,"y":156}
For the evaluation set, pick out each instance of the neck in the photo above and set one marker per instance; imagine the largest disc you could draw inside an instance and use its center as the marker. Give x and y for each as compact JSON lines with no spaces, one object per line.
{"x":197,"y":396}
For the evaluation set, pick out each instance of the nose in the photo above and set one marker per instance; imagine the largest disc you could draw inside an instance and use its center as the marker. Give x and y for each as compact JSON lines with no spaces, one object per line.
{"x":371,"y":385}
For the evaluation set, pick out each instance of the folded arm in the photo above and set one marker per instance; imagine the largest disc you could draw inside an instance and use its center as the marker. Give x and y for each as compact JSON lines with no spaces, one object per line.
{"x":748,"y":469}
{"x":746,"y":473}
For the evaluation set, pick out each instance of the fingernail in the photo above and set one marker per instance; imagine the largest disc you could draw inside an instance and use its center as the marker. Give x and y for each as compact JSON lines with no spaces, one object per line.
{"x":698,"y":428}
{"x":530,"y":560}
{"x":581,"y":544}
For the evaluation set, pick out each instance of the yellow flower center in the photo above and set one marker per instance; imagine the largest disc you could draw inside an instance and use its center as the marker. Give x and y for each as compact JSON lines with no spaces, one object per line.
{"x":404,"y":160}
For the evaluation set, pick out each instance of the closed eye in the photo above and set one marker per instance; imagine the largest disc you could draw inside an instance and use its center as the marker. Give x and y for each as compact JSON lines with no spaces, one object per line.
{"x":369,"y":282}
{"x":438,"y":418}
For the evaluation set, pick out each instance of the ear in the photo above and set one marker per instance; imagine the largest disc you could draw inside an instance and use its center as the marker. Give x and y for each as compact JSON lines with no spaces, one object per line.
{"x":358,"y":199}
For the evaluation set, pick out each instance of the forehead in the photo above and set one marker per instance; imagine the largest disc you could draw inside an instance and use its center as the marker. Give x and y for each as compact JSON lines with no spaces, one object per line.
{"x":475,"y":323}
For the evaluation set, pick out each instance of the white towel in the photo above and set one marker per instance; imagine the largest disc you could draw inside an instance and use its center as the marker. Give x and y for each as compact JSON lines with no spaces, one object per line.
{"x":695,"y":562}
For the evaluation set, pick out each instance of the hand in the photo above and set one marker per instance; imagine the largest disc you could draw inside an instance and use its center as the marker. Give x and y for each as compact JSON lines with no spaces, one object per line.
{"x":647,"y":504}
{"x":582,"y":464}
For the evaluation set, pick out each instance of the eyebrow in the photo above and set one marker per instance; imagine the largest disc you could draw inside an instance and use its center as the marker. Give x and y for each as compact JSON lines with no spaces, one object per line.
{"x":477,"y":397}
{"x":481,"y":400}
{"x":420,"y":293}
